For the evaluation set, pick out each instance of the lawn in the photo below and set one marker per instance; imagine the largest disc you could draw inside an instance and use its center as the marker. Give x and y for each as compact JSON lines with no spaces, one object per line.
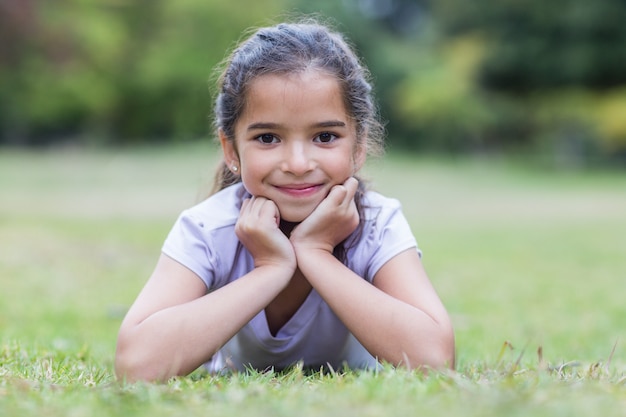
{"x":530,"y":263}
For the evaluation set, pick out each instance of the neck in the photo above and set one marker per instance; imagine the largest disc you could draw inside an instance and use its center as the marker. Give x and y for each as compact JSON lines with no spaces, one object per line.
{"x":287,"y":227}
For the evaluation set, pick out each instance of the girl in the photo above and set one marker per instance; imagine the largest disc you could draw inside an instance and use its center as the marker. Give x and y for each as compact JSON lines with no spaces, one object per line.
{"x":291,"y":260}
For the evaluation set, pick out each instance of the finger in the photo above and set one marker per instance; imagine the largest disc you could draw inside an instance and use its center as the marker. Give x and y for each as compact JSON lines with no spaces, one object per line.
{"x":245,"y":206}
{"x":352,"y":185}
{"x":337,"y":194}
{"x":344,"y":193}
{"x":268,"y":209}
{"x":261,"y":208}
{"x":256,"y":205}
{"x":249,"y":214}
{"x":349,"y":203}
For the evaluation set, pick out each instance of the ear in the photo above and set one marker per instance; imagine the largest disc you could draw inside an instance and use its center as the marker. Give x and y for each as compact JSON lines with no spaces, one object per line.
{"x":229,"y":150}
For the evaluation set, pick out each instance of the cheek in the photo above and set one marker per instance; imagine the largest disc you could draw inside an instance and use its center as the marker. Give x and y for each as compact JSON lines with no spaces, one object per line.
{"x":252,"y":175}
{"x":344,"y":164}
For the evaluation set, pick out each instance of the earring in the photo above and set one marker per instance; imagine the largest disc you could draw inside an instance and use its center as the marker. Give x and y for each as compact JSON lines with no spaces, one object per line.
{"x":235,"y":168}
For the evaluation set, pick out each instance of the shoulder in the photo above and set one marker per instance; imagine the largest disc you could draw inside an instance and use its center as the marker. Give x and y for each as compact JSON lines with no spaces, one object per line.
{"x":385,"y":233}
{"x":203,"y":238}
{"x":374,"y":198}
{"x":376,"y":205}
{"x":217,"y":211}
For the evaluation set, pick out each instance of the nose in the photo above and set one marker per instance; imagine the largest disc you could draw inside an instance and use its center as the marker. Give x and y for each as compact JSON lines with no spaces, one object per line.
{"x":297,"y":159}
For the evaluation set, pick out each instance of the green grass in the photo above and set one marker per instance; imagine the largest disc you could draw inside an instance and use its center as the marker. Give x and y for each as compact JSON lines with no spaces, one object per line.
{"x":529,"y":262}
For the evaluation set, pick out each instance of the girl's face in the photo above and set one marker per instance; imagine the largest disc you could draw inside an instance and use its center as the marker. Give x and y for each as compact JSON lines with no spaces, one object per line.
{"x":294,"y":141}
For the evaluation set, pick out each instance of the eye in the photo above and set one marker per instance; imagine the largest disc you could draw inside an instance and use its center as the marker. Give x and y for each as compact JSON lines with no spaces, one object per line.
{"x":267,"y":138}
{"x":325,"y":137}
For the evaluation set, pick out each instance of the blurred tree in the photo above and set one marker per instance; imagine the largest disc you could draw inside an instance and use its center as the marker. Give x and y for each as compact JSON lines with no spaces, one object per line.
{"x":450,"y":75}
{"x":559,"y":66}
{"x":537,"y":44}
{"x":119,"y":71}
{"x":18,"y":31}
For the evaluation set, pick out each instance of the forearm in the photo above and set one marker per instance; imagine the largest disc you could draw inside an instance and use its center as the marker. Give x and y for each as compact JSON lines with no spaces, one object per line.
{"x":177,"y":340}
{"x":390,"y":329}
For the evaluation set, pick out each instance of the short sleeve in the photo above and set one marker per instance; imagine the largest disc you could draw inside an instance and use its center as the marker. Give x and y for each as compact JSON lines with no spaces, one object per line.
{"x":386,"y":234}
{"x":187,"y":245}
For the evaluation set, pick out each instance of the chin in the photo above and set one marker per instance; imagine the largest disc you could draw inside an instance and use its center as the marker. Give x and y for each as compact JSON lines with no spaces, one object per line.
{"x":294,"y":216}
{"x":292,"y":219}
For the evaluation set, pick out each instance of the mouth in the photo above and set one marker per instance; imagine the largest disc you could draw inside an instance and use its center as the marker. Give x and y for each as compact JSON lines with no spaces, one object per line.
{"x":299,"y":190}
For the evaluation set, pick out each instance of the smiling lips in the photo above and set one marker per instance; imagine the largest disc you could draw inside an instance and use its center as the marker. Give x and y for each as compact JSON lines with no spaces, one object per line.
{"x":299,"y":190}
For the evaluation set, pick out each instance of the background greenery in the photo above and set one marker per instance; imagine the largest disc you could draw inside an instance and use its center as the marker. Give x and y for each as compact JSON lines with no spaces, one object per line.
{"x":529,"y":263}
{"x":532,"y":77}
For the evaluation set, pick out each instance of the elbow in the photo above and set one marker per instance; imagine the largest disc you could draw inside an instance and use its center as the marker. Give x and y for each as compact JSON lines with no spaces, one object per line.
{"x":128,"y":368}
{"x":443,"y":354}
{"x":442,"y":358}
{"x":439,"y":354}
{"x":133,"y":364}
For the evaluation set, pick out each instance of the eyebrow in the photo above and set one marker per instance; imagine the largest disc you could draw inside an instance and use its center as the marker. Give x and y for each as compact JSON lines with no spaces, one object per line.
{"x":326,"y":123}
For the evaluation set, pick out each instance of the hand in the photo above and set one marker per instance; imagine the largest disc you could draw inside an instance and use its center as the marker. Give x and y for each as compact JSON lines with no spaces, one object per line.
{"x":257,"y":228}
{"x":334,"y":219}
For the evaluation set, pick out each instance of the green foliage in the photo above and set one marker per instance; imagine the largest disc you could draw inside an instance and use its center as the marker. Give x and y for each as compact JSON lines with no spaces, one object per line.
{"x":450,"y":75}
{"x":541,"y":55}
{"x":441,"y":86}
{"x":549,"y":45}
{"x":123,"y":71}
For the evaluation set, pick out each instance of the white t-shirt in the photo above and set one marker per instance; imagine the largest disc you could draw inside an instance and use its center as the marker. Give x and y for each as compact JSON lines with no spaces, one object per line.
{"x":203,"y":239}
